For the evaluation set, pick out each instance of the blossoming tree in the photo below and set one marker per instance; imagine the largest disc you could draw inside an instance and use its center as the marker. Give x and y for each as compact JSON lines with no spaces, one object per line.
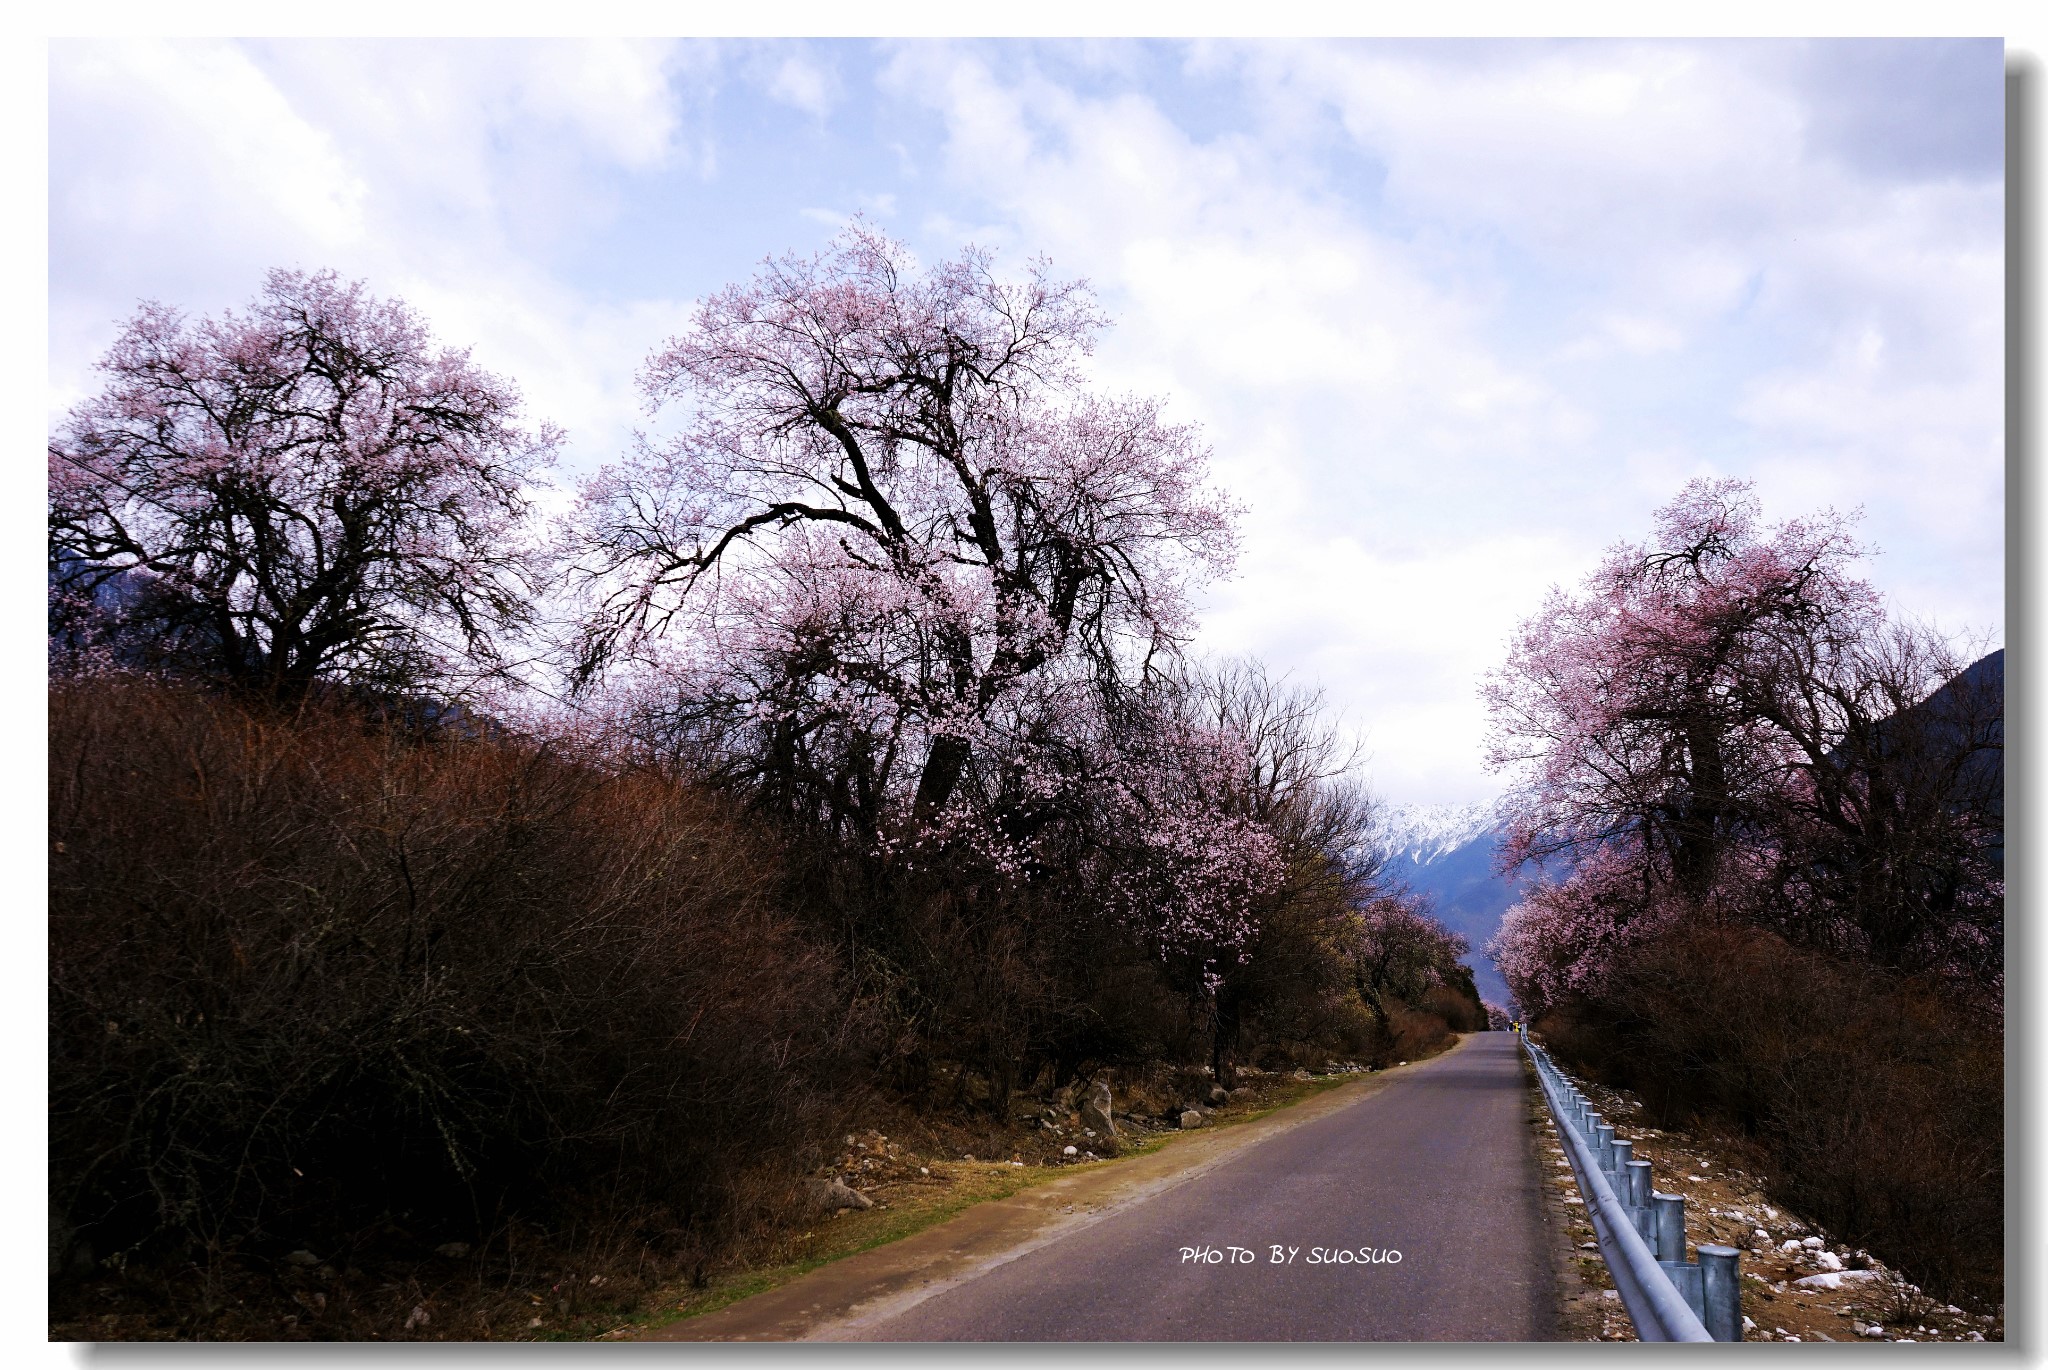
{"x":312,"y":485}
{"x":1627,"y":708}
{"x":892,"y":505}
{"x":1722,"y":722}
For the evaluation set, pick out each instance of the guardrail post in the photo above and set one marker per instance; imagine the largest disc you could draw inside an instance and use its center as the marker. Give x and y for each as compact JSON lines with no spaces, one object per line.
{"x":1603,"y":1145}
{"x":1721,"y":1292}
{"x":1638,"y":1200}
{"x":1670,"y":1226}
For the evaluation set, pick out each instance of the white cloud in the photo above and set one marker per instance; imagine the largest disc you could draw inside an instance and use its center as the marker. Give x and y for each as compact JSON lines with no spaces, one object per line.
{"x":1454,"y":316}
{"x":805,"y":85}
{"x":439,"y":172}
{"x":1551,"y":283}
{"x":164,"y":129}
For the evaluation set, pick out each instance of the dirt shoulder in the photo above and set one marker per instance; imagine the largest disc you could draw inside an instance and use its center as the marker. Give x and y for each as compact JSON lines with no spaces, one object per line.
{"x":1588,"y":1306}
{"x":989,"y":1213}
{"x":1799,"y":1283}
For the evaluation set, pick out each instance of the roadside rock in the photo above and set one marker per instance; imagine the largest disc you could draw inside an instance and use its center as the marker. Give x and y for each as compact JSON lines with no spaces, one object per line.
{"x":836,"y":1194}
{"x":1192,"y":1118}
{"x":1096,"y":1110}
{"x":1218,"y":1095}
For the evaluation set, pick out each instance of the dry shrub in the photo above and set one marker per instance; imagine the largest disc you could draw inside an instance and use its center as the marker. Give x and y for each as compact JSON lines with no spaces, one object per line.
{"x":311,"y":978}
{"x":1413,"y":1033}
{"x":1459,"y":1006}
{"x":1876,"y":1100}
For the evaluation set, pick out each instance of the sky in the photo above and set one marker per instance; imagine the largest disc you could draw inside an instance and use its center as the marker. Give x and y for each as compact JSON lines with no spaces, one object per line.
{"x":1454,"y":315}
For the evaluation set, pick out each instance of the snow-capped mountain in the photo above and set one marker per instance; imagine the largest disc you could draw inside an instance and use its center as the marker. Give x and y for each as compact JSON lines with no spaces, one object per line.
{"x":1447,"y":852}
{"x":1421,"y":833}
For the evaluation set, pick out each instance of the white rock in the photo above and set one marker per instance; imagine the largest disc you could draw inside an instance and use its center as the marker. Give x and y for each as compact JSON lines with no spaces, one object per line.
{"x":1828,"y":1260}
{"x":835,"y":1194}
{"x":1813,"y":1243}
{"x":1072,"y":1151}
{"x":1748,"y":1323}
{"x":1762,"y":1235}
{"x":1790,"y":1244}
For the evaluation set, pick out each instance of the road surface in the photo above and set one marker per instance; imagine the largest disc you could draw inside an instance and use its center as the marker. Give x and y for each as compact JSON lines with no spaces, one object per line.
{"x":1435,"y":1165}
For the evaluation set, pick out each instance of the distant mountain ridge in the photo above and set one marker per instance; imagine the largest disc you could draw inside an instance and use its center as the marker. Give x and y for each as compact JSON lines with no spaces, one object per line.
{"x":1421,"y":833}
{"x":1448,"y":852}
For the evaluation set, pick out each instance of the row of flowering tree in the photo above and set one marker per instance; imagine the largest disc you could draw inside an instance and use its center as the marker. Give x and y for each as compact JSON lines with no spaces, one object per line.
{"x":891,"y":568}
{"x":1722,"y":724}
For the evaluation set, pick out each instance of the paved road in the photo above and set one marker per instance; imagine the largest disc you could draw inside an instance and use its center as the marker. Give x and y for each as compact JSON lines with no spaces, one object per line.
{"x":1436,"y":1166}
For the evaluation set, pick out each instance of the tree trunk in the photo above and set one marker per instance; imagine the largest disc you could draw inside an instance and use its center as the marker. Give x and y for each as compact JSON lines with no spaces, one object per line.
{"x":942,"y":772}
{"x":1229,"y":1023}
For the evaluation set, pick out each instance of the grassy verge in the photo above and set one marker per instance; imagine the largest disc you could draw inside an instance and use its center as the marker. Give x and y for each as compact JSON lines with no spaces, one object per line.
{"x":907,"y":1210}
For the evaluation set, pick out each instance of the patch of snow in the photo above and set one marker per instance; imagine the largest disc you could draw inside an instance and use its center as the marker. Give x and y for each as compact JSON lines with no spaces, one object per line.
{"x":1424,"y":832}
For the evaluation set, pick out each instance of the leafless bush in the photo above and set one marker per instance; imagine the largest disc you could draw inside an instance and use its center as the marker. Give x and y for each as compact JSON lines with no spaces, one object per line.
{"x":310,"y":975}
{"x":1876,"y":1099}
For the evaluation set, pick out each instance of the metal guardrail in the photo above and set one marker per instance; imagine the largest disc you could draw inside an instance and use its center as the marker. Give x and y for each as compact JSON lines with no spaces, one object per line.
{"x":1667,"y":1297}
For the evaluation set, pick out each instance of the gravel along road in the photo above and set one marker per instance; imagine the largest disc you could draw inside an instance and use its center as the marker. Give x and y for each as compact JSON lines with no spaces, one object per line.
{"x":1410,"y":1214}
